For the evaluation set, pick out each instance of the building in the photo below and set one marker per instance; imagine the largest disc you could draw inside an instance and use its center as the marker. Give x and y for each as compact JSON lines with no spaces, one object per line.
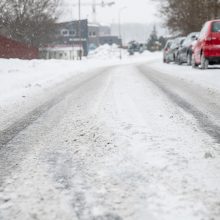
{"x":63,"y":52}
{"x":110,"y":40}
{"x":93,"y":36}
{"x":104,"y":30}
{"x":67,"y":42}
{"x":99,"y":35}
{"x":73,"y":33}
{"x":13,"y":49}
{"x":70,"y":41}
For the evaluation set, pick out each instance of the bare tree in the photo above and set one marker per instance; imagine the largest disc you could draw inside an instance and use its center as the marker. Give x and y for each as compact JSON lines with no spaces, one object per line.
{"x":185,"y":16}
{"x":29,"y":21}
{"x":3,"y":4}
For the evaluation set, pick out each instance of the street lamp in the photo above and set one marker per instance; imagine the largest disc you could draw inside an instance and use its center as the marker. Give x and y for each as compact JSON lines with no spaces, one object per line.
{"x":119,"y":30}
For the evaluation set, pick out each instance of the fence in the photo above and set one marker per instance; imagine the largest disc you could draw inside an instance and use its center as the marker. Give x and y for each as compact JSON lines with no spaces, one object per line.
{"x":13,"y":49}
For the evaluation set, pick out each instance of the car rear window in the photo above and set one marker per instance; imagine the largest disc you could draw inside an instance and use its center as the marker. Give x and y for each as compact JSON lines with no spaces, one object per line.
{"x":168,"y":44}
{"x":216,"y":27}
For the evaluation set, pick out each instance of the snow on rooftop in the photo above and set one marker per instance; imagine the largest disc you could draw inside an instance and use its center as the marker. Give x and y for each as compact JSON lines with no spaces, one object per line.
{"x":93,"y":24}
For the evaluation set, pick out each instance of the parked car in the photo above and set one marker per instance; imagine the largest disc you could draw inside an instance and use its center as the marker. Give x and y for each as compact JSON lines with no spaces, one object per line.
{"x":206,"y":50}
{"x":172,"y":53}
{"x":184,"y":54}
{"x":166,"y":51}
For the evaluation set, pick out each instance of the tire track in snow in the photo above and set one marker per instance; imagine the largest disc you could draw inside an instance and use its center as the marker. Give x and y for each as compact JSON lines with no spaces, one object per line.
{"x":13,"y":130}
{"x":204,"y":122}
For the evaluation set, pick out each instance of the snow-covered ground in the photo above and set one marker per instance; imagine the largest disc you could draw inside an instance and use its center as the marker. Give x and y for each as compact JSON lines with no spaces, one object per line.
{"x":22,"y":78}
{"x":207,"y":78}
{"x":23,"y":82}
{"x":124,"y":139}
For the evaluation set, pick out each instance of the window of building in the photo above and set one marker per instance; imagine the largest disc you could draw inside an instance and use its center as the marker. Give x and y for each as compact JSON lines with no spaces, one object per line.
{"x":65,"y":32}
{"x":73,"y":33}
{"x":92,"y":34}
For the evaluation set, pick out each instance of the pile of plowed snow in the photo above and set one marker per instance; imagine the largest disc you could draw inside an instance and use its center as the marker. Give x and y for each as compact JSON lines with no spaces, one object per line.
{"x":106,"y":52}
{"x":114,"y":53}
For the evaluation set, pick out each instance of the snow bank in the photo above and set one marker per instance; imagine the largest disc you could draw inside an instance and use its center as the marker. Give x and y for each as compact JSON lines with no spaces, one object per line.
{"x":106,"y":52}
{"x":209,"y":79}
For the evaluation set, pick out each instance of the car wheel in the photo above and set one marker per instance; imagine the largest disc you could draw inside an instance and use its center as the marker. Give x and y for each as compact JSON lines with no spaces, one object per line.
{"x":189,"y":59}
{"x":179,"y":60}
{"x":176,"y":59}
{"x":194,"y":64}
{"x":204,"y":62}
{"x":167,"y":60}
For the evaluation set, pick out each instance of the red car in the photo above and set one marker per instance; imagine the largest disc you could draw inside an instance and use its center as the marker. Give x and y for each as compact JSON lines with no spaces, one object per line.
{"x":206,"y":51}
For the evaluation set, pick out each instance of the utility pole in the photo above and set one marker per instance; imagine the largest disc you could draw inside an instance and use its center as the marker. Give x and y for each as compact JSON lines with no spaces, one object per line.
{"x":94,"y":11}
{"x":119,"y":31}
{"x":80,"y":31}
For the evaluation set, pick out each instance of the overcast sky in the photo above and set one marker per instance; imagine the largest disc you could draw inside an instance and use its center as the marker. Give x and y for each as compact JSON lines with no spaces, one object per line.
{"x":136,"y":11}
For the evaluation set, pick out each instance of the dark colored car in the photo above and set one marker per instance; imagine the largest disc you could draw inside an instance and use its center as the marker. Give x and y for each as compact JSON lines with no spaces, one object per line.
{"x":166,"y":51}
{"x":184,"y":54}
{"x":173,"y":51}
{"x":133,"y":47}
{"x":206,"y":50}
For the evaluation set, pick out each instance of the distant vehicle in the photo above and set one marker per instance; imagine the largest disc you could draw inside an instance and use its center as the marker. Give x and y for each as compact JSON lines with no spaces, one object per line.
{"x":206,"y":50}
{"x":184,"y":54}
{"x":133,"y":47}
{"x":142,"y":48}
{"x":172,"y":52}
{"x":166,"y":51}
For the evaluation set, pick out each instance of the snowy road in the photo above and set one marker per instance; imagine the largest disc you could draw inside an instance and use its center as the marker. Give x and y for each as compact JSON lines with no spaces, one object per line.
{"x":125,"y":142}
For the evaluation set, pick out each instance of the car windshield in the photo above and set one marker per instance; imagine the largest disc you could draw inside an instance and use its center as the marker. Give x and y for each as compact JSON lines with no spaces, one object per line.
{"x":216,"y":27}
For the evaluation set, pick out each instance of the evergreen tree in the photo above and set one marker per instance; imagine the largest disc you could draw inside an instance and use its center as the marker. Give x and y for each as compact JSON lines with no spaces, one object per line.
{"x":153,"y":43}
{"x":162,"y":41}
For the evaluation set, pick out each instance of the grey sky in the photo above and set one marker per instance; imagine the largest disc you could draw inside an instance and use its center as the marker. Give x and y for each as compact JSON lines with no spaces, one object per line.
{"x":140,"y":11}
